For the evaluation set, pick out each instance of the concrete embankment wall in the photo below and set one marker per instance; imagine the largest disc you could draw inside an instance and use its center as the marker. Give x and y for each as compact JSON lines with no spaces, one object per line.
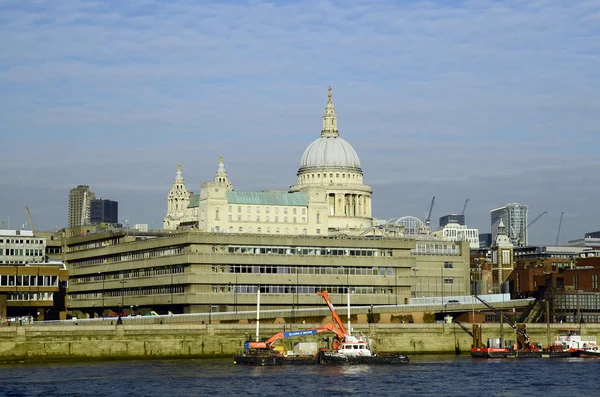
{"x":42,"y":343}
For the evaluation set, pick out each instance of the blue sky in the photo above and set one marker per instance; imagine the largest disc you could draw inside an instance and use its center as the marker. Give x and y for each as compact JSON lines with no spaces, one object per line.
{"x":496,"y":101}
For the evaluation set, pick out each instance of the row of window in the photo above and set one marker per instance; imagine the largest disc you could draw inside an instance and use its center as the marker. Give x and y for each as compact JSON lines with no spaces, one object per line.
{"x":337,"y":175}
{"x":95,"y":244}
{"x":305,"y":289}
{"x":141,"y":291}
{"x":130,"y":256}
{"x":267,"y":218}
{"x":323,"y":270}
{"x":21,"y":241}
{"x":436,"y":249}
{"x":20,"y":280}
{"x":283,"y":250}
{"x":21,"y":252}
{"x":267,"y":210}
{"x":136,"y":273}
{"x":30,"y":296}
{"x":260,"y":230}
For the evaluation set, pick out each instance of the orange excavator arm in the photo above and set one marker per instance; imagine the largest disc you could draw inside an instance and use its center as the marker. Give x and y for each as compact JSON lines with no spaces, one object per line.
{"x":268,"y":344}
{"x":336,"y":318}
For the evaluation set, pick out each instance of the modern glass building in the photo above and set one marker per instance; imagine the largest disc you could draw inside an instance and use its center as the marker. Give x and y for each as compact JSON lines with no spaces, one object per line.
{"x":104,"y":211}
{"x":514,"y":217}
{"x":452,"y":218}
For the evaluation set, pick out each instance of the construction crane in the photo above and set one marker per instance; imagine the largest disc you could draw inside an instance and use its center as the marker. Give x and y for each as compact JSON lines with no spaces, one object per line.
{"x":30,"y":221}
{"x":559,"y":226}
{"x":83,"y":212}
{"x":465,"y":206}
{"x":429,"y":210}
{"x":523,"y":340}
{"x":520,"y":241}
{"x":536,"y":218}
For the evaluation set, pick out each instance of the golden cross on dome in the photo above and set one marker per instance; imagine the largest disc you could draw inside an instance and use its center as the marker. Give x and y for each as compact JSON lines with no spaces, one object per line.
{"x":329,"y":95}
{"x":178,"y":167}
{"x":221,"y":159}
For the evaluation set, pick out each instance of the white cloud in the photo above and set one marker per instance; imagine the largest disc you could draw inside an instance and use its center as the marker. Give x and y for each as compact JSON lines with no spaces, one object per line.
{"x":454,"y":99}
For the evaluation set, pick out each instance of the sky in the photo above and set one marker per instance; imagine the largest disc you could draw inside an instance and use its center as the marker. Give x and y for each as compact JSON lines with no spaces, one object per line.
{"x":494,"y":101}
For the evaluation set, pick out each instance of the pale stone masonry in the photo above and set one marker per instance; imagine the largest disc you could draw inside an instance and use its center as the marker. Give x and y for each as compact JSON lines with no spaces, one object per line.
{"x":328,"y":198}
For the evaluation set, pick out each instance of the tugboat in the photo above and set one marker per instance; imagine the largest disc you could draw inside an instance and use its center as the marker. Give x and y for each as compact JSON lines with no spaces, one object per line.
{"x":571,"y":340}
{"x":349,"y":349}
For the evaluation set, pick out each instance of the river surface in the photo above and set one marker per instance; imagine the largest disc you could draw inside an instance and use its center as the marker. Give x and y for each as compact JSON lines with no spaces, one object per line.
{"x":424,"y":376}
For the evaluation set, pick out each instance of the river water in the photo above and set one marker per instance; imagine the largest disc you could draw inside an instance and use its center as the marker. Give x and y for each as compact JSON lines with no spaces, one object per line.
{"x":424,"y":376}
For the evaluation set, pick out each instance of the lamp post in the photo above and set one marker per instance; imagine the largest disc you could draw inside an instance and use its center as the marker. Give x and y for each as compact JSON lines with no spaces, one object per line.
{"x":101,"y":275}
{"x":415,"y":272}
{"x":396,"y":284}
{"x":235,"y":293}
{"x":171,"y":291}
{"x":442,"y":282}
{"x":122,"y":294}
{"x":293,"y":303}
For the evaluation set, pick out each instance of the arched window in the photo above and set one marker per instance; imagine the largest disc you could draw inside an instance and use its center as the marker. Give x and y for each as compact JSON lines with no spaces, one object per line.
{"x":296,"y":230}
{"x":277,"y":230}
{"x":259,"y":230}
{"x":240,"y":229}
{"x":249,"y":229}
{"x":304,"y":231}
{"x":268,"y":230}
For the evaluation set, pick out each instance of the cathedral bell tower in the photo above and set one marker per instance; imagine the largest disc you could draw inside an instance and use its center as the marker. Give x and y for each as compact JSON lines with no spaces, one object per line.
{"x":177,"y":202}
{"x":221,"y":174}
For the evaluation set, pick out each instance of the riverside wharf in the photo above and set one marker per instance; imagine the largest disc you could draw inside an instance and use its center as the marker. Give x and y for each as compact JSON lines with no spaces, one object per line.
{"x":76,"y":342}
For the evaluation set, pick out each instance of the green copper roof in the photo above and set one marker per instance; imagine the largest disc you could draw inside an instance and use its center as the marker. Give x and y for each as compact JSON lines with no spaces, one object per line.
{"x":194,"y":201}
{"x":267,"y":198}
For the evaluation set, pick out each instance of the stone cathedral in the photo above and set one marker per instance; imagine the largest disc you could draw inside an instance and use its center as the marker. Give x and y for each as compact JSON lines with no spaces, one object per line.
{"x":329,"y":198}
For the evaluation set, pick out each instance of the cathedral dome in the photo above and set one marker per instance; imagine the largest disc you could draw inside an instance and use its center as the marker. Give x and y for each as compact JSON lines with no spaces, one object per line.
{"x":329,"y":150}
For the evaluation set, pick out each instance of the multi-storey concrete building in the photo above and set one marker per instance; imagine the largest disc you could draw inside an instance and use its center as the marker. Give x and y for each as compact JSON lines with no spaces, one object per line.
{"x":79,"y":205}
{"x":29,"y":285}
{"x":456,"y":232}
{"x":21,"y":247}
{"x":514,"y":218}
{"x":194,"y":271}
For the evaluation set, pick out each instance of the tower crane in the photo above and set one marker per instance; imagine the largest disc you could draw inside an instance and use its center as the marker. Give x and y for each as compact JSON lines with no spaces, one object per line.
{"x":429,"y":210}
{"x":465,"y":206}
{"x":536,"y":218}
{"x":30,"y":221}
{"x":83,"y":212}
{"x":559,"y":225}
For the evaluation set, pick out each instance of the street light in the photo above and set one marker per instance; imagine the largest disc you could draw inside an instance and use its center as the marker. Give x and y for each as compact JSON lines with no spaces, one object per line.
{"x":102,"y":277}
{"x":235,"y":294}
{"x":122,"y":293}
{"x":293,"y":303}
{"x":415,"y":270}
